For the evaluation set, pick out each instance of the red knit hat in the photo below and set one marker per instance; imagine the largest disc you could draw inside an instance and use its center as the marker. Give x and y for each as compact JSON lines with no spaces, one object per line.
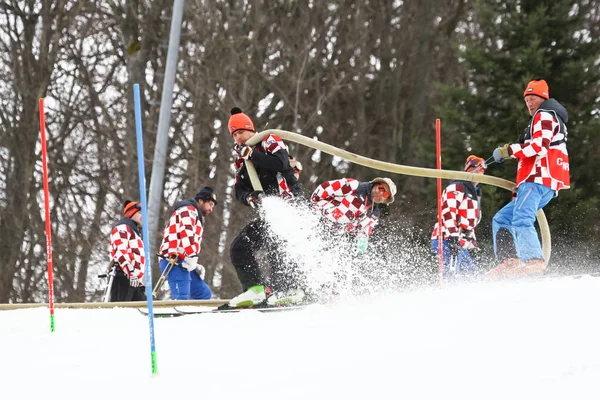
{"x":239,"y":120}
{"x":130,"y":208}
{"x":537,"y":87}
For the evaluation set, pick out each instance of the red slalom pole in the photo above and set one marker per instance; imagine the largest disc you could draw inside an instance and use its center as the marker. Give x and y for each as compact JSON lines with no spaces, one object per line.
{"x":438,"y":153}
{"x":47,"y":207}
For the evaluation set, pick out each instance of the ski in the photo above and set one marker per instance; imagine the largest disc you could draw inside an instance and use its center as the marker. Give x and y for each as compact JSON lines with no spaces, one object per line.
{"x":168,"y":312}
{"x":262,"y":309}
{"x":172,"y":312}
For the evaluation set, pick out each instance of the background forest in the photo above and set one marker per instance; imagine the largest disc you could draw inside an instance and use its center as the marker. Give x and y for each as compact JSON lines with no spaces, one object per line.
{"x":370,"y":77}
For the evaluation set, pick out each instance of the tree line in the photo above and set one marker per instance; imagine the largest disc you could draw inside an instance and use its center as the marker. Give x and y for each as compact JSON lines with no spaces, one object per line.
{"x":368,"y":77}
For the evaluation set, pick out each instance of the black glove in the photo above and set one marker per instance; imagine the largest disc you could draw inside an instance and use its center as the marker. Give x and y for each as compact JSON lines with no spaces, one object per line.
{"x":254,"y":199}
{"x":244,"y":151}
{"x":455,"y":246}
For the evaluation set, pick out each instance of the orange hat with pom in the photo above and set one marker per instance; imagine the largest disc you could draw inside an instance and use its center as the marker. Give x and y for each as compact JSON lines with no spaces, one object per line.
{"x":537,"y":87}
{"x":239,"y":120}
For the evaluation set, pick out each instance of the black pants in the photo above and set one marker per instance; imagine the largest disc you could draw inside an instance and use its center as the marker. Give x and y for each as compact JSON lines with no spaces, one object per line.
{"x":253,"y":238}
{"x":122,"y":291}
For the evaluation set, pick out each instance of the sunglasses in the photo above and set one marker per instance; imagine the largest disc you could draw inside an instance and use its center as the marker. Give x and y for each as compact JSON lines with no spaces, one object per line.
{"x":475,"y":164}
{"x":384,"y":192}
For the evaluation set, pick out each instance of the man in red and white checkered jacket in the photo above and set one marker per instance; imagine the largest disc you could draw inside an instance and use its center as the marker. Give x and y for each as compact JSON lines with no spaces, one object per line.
{"x":181,"y":243}
{"x":127,"y":254}
{"x":351,"y":206}
{"x":542,"y":171}
{"x":461,"y":213}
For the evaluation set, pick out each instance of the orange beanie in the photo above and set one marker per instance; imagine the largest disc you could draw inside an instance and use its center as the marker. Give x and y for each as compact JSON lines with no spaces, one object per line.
{"x":538,"y":87}
{"x":130,"y":208}
{"x":239,"y":120}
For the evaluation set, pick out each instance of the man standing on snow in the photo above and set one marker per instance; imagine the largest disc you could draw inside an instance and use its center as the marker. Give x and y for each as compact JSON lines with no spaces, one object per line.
{"x":181,"y":242}
{"x":461,"y":212}
{"x":127,"y":254}
{"x":542,"y":171}
{"x":271,"y":161}
{"x":351,"y":207}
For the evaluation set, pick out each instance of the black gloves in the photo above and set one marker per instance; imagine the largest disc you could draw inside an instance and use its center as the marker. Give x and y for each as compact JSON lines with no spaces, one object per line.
{"x":455,"y":246}
{"x":243,"y":151}
{"x":254,"y":199}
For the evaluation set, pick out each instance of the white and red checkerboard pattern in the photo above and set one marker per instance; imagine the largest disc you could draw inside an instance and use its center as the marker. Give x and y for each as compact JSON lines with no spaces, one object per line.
{"x":336,"y":201}
{"x":183,"y":234}
{"x":270,"y":144}
{"x":127,"y":249}
{"x":460,"y":215}
{"x":545,"y":130}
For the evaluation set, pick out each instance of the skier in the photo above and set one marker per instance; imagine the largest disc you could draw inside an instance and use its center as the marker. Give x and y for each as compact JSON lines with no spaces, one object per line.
{"x":351,"y":207}
{"x":127,"y":255}
{"x":461,"y":212}
{"x":181,"y":244}
{"x":271,"y":160}
{"x":542,"y":171}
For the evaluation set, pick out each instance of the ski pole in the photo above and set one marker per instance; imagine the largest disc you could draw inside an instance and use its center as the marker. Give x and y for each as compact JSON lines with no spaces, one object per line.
{"x":161,"y":281}
{"x":490,"y":161}
{"x":111,"y":278}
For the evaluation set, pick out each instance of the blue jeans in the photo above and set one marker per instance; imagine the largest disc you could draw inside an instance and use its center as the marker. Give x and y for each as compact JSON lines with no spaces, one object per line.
{"x":464,"y":266}
{"x":518,"y":217}
{"x":199,"y":289}
{"x":179,"y":280}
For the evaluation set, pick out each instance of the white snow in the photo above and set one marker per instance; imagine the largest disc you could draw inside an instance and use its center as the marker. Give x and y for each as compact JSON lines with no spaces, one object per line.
{"x":534,"y":340}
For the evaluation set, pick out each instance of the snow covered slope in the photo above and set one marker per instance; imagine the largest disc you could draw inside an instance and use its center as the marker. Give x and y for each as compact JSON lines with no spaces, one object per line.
{"x":535,"y":340}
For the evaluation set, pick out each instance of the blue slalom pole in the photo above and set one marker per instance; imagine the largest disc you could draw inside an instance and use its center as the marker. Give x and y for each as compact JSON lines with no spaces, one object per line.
{"x":142,"y":178}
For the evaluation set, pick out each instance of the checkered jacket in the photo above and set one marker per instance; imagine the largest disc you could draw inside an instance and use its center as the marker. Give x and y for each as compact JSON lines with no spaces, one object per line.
{"x":545,"y":132}
{"x":183,"y":233}
{"x":347,"y":203}
{"x":271,"y":161}
{"x":461,"y":212}
{"x":127,"y":248}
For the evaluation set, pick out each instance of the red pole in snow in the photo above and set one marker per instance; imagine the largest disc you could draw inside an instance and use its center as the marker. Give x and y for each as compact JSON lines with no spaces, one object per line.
{"x":47,"y":207}
{"x":438,"y":148}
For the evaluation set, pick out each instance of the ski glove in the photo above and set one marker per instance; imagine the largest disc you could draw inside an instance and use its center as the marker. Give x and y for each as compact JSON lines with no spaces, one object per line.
{"x":190,"y":263}
{"x":361,"y":244}
{"x":501,"y":153}
{"x":254,"y":199}
{"x":201,"y":271}
{"x":134,"y":281}
{"x":244,"y":151}
{"x":455,"y":246}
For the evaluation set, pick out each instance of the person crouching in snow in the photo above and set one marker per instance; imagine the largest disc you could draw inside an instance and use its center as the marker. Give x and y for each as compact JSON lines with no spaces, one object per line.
{"x":127,"y":254}
{"x":461,"y":213}
{"x":351,"y":207}
{"x":181,"y":244}
{"x":272,"y":163}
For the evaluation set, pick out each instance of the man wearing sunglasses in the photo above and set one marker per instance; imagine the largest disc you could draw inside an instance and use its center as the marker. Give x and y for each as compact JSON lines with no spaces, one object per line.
{"x":542,"y":171}
{"x":352,"y":206}
{"x":461,"y":213}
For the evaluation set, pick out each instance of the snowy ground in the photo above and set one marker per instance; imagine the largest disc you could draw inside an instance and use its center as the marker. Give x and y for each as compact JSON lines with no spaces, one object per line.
{"x":535,"y":340}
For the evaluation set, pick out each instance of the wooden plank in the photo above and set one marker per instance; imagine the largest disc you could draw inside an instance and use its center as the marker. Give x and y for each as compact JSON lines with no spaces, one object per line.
{"x":128,"y":304}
